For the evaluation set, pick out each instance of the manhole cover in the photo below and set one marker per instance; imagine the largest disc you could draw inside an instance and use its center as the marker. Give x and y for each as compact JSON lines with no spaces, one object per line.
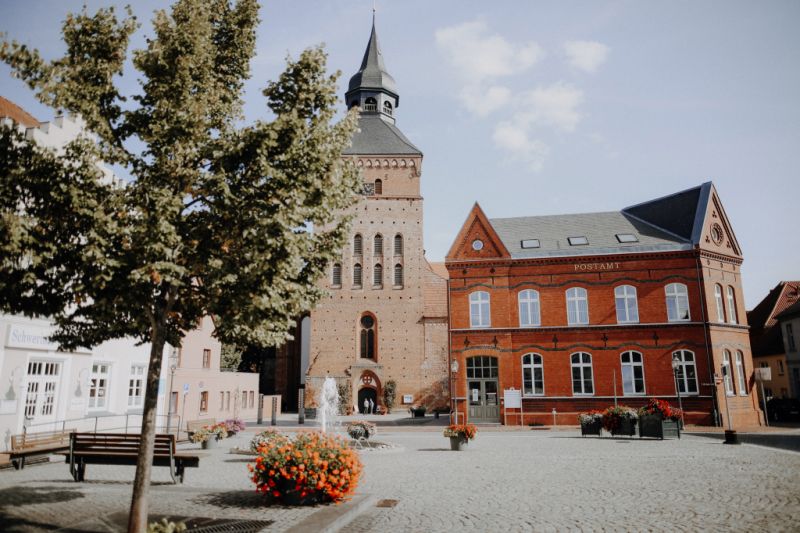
{"x":386,"y":503}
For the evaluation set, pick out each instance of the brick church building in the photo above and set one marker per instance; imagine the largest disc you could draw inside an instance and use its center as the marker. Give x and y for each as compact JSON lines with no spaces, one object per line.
{"x":574,"y":311}
{"x":386,"y":316}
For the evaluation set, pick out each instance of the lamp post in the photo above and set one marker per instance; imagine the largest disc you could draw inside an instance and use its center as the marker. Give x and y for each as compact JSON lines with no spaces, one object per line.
{"x":173,"y":364}
{"x":453,"y":371}
{"x":676,"y":366}
{"x":730,"y":433}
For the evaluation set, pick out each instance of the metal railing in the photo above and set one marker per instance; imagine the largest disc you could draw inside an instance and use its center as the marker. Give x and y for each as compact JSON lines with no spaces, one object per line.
{"x":127,"y":423}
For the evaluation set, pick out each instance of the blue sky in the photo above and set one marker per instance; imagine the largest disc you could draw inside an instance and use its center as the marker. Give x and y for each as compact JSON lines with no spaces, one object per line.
{"x":536,"y":108}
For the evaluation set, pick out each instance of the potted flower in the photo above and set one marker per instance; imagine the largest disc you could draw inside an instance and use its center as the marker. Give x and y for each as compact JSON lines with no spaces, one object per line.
{"x":460,"y":435}
{"x":234,"y":426}
{"x":267,"y":438}
{"x":361,"y":429}
{"x":591,"y":422}
{"x":208,"y":436}
{"x":418,"y":411}
{"x":658,"y":419}
{"x":620,"y":420}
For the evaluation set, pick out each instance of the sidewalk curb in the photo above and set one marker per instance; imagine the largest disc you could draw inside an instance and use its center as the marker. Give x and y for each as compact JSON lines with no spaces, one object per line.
{"x":334,"y":518}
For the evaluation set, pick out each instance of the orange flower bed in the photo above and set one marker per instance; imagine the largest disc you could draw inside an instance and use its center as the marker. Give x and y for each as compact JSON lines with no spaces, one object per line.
{"x":312,"y":468}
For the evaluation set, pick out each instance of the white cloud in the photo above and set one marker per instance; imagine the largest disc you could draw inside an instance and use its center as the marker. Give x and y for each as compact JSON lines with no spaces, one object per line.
{"x":555,"y":105}
{"x":478,"y":55}
{"x":483,"y":102}
{"x":514,"y":138}
{"x":586,"y":55}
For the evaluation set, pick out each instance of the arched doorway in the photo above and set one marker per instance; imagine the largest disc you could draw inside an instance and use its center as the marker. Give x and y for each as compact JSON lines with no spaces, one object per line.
{"x":369,"y":390}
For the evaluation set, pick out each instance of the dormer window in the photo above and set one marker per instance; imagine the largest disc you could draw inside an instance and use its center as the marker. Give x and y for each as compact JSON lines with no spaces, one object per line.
{"x":370,"y":104}
{"x":387,"y":108}
{"x":578,"y":241}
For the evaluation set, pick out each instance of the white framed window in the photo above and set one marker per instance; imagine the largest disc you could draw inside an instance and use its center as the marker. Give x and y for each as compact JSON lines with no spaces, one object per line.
{"x":577,"y":306}
{"x":627,"y":304}
{"x":632,"y":373}
{"x":740,"y":373}
{"x":686,"y":372}
{"x":677,"y":302}
{"x":582,"y":380}
{"x":532,"y":375}
{"x":98,"y":386}
{"x":732,"y":318}
{"x":726,"y":372}
{"x":136,"y":386}
{"x":720,"y":303}
{"x":529,"y":314}
{"x":479,"y":310}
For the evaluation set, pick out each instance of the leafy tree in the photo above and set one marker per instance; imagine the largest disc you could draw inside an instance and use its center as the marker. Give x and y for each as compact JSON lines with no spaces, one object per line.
{"x":216,"y":219}
{"x":230,"y":357}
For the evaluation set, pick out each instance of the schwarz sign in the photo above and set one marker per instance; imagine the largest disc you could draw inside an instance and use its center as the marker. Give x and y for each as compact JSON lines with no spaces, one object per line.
{"x":590,"y":267}
{"x":30,"y":337}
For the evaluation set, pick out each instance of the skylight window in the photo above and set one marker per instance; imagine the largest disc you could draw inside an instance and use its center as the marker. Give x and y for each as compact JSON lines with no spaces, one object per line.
{"x":530,"y":243}
{"x":578,"y":241}
{"x":627,"y":237}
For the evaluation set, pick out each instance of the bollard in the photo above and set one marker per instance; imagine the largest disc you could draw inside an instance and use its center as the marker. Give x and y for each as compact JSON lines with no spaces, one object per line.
{"x":274,"y":410}
{"x":260,"y":409}
{"x":301,"y":405}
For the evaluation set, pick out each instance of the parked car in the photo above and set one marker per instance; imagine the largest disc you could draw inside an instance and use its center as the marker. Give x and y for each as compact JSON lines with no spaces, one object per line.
{"x":783,"y":409}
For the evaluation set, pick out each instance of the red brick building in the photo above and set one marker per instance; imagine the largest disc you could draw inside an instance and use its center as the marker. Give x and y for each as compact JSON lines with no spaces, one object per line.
{"x":575,"y":310}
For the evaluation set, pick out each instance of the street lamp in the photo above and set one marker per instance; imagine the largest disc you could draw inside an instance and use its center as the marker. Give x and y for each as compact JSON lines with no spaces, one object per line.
{"x":676,"y":366}
{"x":173,"y":364}
{"x":454,"y":371}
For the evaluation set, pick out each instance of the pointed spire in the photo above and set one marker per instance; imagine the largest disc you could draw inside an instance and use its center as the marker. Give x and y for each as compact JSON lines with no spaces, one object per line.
{"x":372,"y":75}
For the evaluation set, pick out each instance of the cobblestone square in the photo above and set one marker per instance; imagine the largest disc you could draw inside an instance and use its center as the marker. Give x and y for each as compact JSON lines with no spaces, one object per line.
{"x":504,"y":481}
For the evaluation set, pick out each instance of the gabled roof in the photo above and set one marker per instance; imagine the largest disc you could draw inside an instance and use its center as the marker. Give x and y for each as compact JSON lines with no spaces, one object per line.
{"x":765,"y":335}
{"x":373,"y":74}
{"x":9,"y":109}
{"x":681,"y":213}
{"x":376,"y":136}
{"x":600,"y":229}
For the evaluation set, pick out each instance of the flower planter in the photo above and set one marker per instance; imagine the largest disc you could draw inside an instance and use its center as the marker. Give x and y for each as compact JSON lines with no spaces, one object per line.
{"x":626,"y":428}
{"x":209,"y":443}
{"x":591,"y":428}
{"x":658,"y":428}
{"x":458,"y":444}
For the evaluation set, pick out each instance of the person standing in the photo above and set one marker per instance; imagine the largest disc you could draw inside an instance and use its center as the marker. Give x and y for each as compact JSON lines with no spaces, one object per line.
{"x":366,"y":406}
{"x":371,"y":407}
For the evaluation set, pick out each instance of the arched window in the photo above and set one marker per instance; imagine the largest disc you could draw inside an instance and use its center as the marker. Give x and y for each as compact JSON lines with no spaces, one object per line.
{"x":632,"y":373}
{"x":686,"y":374}
{"x":377,"y":275}
{"x":582,"y":381}
{"x":378,"y":186}
{"x":577,"y":306}
{"x":398,"y":275}
{"x":358,"y":244}
{"x":732,"y":318}
{"x":357,"y":275}
{"x":726,"y":372}
{"x":479,"y":310}
{"x":740,"y":373}
{"x":370,"y":104}
{"x":532,"y":375}
{"x":377,"y":244}
{"x":337,"y":275}
{"x":368,"y":337}
{"x":387,"y":108}
{"x":677,"y":302}
{"x":529,"y":314}
{"x":627,"y":305}
{"x":720,"y":303}
{"x":398,"y":245}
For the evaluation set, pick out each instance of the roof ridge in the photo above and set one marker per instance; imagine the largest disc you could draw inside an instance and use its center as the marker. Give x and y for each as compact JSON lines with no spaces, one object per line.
{"x":558,"y":215}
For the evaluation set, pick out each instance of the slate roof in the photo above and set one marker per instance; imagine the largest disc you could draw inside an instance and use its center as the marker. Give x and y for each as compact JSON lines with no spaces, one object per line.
{"x":599,"y":228}
{"x":376,"y":136}
{"x":677,"y":213}
{"x":372,"y":74}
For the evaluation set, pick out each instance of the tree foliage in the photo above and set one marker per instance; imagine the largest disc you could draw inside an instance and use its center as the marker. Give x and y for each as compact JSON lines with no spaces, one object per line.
{"x":217,"y":219}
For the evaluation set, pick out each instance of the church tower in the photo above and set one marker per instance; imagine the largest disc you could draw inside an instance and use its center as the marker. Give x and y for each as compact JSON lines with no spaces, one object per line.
{"x":385,"y":318}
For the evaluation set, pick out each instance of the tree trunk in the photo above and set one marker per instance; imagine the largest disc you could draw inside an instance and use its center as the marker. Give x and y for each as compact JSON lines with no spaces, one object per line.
{"x":137,"y":520}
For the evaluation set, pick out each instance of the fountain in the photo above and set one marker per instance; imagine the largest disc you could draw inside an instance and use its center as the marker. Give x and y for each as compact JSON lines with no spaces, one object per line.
{"x":328,"y":401}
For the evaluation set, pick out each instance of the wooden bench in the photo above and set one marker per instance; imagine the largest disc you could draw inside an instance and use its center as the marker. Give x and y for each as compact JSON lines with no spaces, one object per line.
{"x":26,"y":444}
{"x":193,"y":425}
{"x":123,"y":449}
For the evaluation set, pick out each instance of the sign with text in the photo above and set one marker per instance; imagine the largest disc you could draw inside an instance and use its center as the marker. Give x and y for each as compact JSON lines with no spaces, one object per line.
{"x":512,"y":398}
{"x":596,"y":267}
{"x":764,"y":374}
{"x":28,"y":336}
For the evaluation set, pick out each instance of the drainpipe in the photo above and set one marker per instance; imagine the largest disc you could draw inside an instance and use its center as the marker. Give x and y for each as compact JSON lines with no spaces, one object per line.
{"x":705,"y":334}
{"x":450,"y":377}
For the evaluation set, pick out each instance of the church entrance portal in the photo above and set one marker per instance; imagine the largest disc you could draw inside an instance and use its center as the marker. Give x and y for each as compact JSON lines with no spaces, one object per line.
{"x":367,"y":393}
